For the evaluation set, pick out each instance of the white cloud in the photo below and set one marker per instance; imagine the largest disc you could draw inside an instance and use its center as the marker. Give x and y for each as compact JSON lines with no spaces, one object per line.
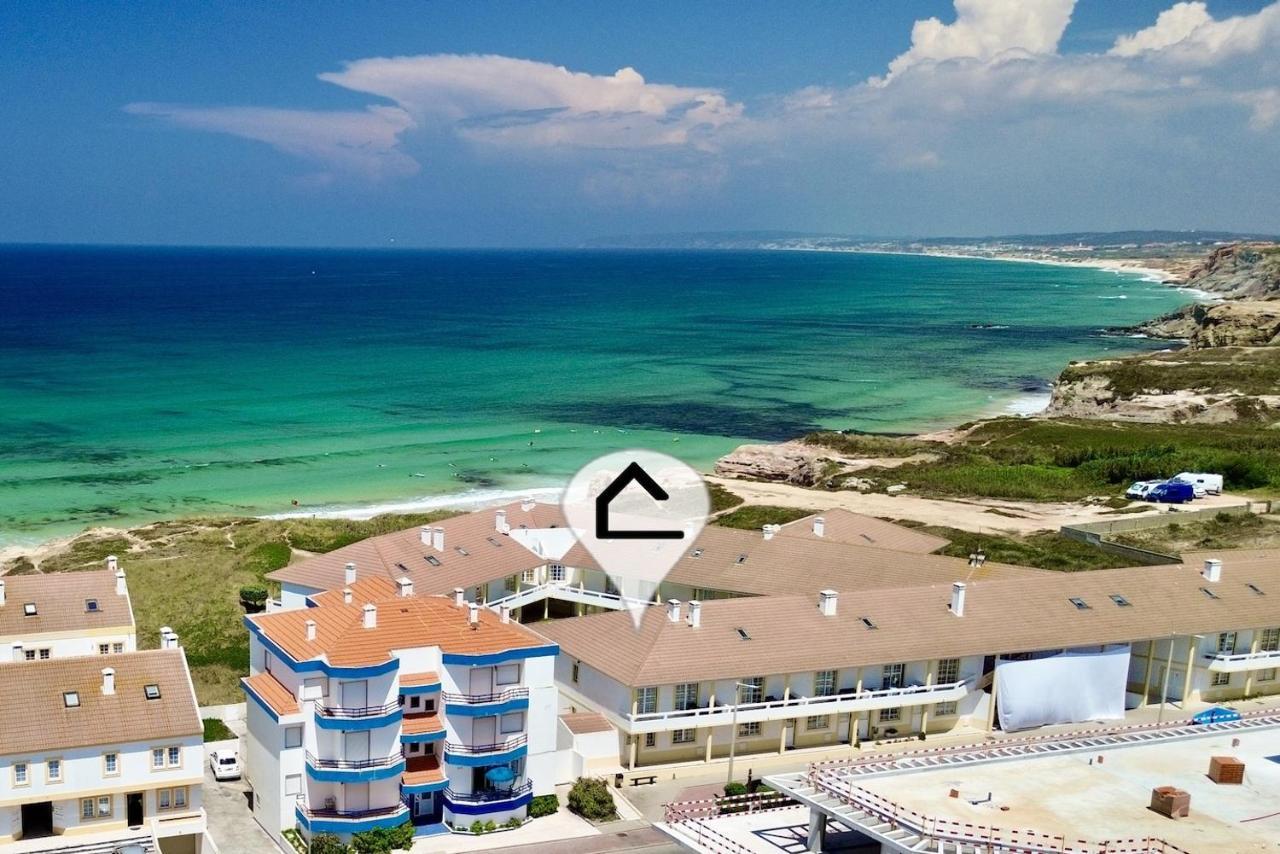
{"x":1264,"y":107}
{"x":1186,"y":32}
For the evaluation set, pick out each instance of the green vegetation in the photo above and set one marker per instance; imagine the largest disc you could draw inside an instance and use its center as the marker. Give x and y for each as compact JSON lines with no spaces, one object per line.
{"x":589,"y":797}
{"x":1245,"y":370}
{"x":734,"y":789}
{"x":381,"y":840}
{"x":478,"y":827}
{"x":216,"y":730}
{"x":866,"y":445}
{"x":1045,"y":550}
{"x":328,"y":843}
{"x":721,"y":498}
{"x":295,"y":840}
{"x":543,"y":805}
{"x":1223,"y":531}
{"x":754,"y":516}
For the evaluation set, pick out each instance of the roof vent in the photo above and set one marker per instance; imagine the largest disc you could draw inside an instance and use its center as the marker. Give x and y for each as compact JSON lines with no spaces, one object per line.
{"x":457,"y":596}
{"x":370,"y":615}
{"x":770,"y":531}
{"x":346,"y":596}
{"x":404,"y":586}
{"x":311,"y":629}
{"x":113,"y":563}
{"x":473,"y":615}
{"x":437,"y":539}
{"x":108,"y":680}
{"x":424,"y":534}
{"x":695,"y":613}
{"x":673,"y":610}
{"x":1212,"y":570}
{"x":819,"y":526}
{"x":957,"y":598}
{"x":168,"y":638}
{"x":500,"y":523}
{"x":827,"y":603}
{"x":504,"y":611}
{"x":349,"y":576}
{"x":122,"y":589}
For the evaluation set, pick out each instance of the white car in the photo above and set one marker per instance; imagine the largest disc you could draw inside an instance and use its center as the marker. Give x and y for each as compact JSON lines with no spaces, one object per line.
{"x":1140,"y":489}
{"x":225,"y":764}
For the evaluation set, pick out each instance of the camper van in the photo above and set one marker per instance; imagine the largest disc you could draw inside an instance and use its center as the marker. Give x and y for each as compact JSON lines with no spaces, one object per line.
{"x":1202,"y":483}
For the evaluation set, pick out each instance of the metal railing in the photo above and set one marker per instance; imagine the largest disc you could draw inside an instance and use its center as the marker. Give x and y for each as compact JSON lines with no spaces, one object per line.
{"x":489,"y":795}
{"x":352,"y":815}
{"x":498,"y":747}
{"x":354,"y":764}
{"x":484,"y":699}
{"x":356,"y":712}
{"x":1262,"y":656}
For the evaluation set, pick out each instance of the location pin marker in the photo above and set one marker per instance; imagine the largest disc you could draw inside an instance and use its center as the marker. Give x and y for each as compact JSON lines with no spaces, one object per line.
{"x":637,"y":512}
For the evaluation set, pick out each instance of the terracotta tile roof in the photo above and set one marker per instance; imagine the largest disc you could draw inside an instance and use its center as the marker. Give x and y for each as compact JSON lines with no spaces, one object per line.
{"x":581,"y":723}
{"x":855,"y":529}
{"x":410,"y":680}
{"x":420,"y":724}
{"x":402,"y":623}
{"x":788,"y":634}
{"x":275,"y":695}
{"x":421,"y":770}
{"x":60,"y":603}
{"x":34,"y":716}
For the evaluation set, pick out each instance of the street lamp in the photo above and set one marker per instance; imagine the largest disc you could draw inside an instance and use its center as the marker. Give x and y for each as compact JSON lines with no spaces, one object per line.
{"x":733,"y":735}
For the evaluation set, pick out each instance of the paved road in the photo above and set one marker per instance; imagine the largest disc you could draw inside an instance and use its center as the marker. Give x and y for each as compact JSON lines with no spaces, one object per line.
{"x":231,"y":825}
{"x":642,"y":838}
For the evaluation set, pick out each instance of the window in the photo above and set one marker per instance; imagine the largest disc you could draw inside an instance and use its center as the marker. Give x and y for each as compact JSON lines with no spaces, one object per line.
{"x":1227,"y":643}
{"x":824,"y":683}
{"x":151,"y":692}
{"x":512,"y":581}
{"x":460,"y":550}
{"x":433,"y":560}
{"x":28,"y":609}
{"x":1080,"y":604}
{"x":576,"y":666}
{"x":71,"y":699}
{"x":1220,"y":679}
{"x":682,"y":736}
{"x":29,"y":654}
{"x":104,"y":806}
{"x":157,"y":757}
{"x":1268,"y":675}
{"x":893,"y":675}
{"x":943,"y":710}
{"x":511,"y":722}
{"x":53,"y":770}
{"x":529,"y":576}
{"x":866,"y":622}
{"x":293,"y":784}
{"x":743,"y":634}
{"x":104,"y":648}
{"x":507,"y":674}
{"x":749,"y":730}
{"x":175,"y":757}
{"x":1206,"y":591}
{"x":557,"y":572}
{"x":751,"y":690}
{"x":650,"y":739}
{"x":86,"y":808}
{"x":21,"y":774}
{"x":163,"y":799}
{"x":686,"y":696}
{"x":894,"y":714}
{"x":646,"y":700}
{"x":117,"y":647}
{"x":292,"y":736}
{"x":1120,"y":600}
{"x":948,"y":671}
{"x":1270,"y":641}
{"x":91,"y":605}
{"x":45,"y":652}
{"x":817,"y":722}
{"x":110,"y":764}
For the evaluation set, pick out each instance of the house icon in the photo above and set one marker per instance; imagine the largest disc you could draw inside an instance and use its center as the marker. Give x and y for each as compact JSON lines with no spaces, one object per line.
{"x":632,"y":473}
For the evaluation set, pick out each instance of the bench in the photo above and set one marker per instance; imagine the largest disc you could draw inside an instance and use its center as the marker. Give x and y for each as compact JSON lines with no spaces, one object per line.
{"x":644,"y":781}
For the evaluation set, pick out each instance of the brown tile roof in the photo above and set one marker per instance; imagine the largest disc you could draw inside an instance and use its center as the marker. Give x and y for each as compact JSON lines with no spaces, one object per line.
{"x":409,"y":680}
{"x":789,"y":635}
{"x":420,"y":724}
{"x":420,"y":770}
{"x":855,"y":529}
{"x":34,"y":717}
{"x":581,"y":723}
{"x":60,"y":603}
{"x":402,"y":623}
{"x":275,"y":695}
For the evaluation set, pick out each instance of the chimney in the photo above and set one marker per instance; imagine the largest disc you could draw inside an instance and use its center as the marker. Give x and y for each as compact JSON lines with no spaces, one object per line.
{"x":311,"y":629}
{"x":957,"y":598}
{"x":108,"y":680}
{"x":346,"y":596}
{"x":770,"y":530}
{"x":504,"y":611}
{"x":437,"y":539}
{"x":122,"y":589}
{"x":113,"y":563}
{"x":165,"y":632}
{"x":695,"y":613}
{"x":404,"y":586}
{"x":473,"y":615}
{"x":425,"y":535}
{"x":673,"y":610}
{"x":827,"y":602}
{"x":1212,"y":570}
{"x":819,"y":526}
{"x":500,"y":522}
{"x":457,"y":597}
{"x":349,"y":578}
{"x":1,"y":592}
{"x":370,"y":615}
{"x":17,"y":652}
{"x":526,"y":504}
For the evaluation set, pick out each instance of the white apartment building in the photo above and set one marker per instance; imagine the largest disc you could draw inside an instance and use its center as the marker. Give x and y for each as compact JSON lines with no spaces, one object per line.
{"x":56,"y":615}
{"x":375,"y":707}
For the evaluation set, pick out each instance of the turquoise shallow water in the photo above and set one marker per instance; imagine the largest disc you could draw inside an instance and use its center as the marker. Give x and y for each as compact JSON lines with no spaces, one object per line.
{"x":145,"y":383}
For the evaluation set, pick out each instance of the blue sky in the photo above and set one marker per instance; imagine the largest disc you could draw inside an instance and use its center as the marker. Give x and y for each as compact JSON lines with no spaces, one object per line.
{"x":479,"y":124}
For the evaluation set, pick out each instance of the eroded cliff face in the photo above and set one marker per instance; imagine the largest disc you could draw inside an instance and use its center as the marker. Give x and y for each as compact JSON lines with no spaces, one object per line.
{"x":1227,"y":324}
{"x":1242,"y":271}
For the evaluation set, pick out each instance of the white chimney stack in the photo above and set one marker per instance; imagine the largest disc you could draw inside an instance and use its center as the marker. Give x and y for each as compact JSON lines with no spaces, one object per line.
{"x":695,"y":613}
{"x":500,"y":523}
{"x":673,"y":610}
{"x":425,"y":535}
{"x":108,"y":681}
{"x":457,"y":597}
{"x":113,"y":563}
{"x":349,"y":577}
{"x":311,"y":629}
{"x":819,"y":526}
{"x":526,"y":504}
{"x":827,"y":602}
{"x":473,"y":615}
{"x":17,"y":652}
{"x":165,"y":632}
{"x":370,"y":615}
{"x":1,"y":592}
{"x":346,"y":596}
{"x":957,"y":598}
{"x":404,"y":586}
{"x":505,"y":612}
{"x":122,"y":589}
{"x":1213,"y":570}
{"x":770,"y":530}
{"x":437,"y":539}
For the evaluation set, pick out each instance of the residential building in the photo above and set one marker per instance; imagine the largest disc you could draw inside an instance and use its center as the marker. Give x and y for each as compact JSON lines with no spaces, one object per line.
{"x":102,"y":747}
{"x":375,"y":706}
{"x":55,"y":615}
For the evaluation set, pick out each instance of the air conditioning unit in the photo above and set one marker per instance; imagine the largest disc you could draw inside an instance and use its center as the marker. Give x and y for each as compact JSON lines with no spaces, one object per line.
{"x":330,"y":803}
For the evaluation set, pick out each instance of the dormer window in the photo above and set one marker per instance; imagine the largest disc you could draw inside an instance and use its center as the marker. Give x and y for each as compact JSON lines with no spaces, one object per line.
{"x":28,"y":609}
{"x":151,"y":692}
{"x":91,"y":606}
{"x":71,"y":699}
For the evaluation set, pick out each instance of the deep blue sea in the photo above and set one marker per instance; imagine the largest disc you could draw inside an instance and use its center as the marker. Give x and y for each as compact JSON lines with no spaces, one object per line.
{"x":146,"y":383}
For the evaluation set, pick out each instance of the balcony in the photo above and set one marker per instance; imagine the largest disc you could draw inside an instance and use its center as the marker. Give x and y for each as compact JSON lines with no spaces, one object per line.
{"x":486,"y":754}
{"x":479,"y":705}
{"x":354,"y":770}
{"x":489,"y":801}
{"x":797,"y":707}
{"x":357,"y":718}
{"x":349,"y":821}
{"x":422,"y":774}
{"x":1225,"y":662}
{"x":421,"y":728}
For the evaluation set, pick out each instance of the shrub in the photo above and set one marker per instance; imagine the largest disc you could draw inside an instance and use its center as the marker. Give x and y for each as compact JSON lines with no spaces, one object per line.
{"x":512,"y":823}
{"x":381,"y":840}
{"x":327,"y":843}
{"x":589,"y":797}
{"x":735,"y":788}
{"x":543,"y":805}
{"x":477,"y":827}
{"x":253,"y":596}
{"x":216,"y":730}
{"x":489,"y":826}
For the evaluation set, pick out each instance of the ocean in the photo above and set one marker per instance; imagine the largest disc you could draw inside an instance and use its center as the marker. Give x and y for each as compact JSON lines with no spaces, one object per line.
{"x":142,"y":383}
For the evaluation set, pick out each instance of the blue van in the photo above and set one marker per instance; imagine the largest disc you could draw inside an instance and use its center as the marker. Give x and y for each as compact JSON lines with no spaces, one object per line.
{"x":1172,"y":492}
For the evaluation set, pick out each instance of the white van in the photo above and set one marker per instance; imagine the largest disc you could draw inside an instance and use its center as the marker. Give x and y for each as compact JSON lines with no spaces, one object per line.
{"x":1202,"y":483}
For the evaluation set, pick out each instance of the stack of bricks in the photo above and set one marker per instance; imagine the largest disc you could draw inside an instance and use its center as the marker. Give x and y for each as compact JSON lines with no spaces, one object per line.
{"x":1226,"y":770}
{"x":1171,"y":801}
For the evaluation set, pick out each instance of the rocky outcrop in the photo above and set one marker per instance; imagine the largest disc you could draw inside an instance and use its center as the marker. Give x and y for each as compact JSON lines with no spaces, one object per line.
{"x":1227,"y":324}
{"x":786,"y":462}
{"x":1241,"y":271}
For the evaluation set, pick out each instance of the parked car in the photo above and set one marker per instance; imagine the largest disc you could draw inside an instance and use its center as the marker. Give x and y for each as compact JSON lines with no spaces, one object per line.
{"x":225,"y":764}
{"x":1172,"y":492}
{"x":1203,"y":483}
{"x":1140,"y":489}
